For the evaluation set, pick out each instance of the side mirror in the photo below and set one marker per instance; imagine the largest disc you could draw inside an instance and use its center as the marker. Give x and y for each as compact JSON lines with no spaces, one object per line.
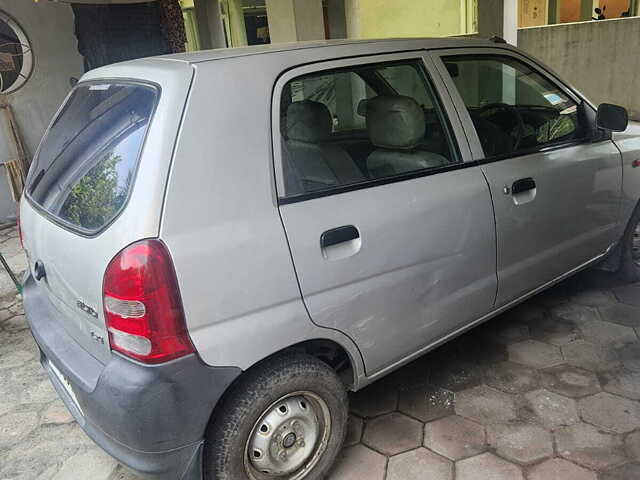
{"x":612,"y":117}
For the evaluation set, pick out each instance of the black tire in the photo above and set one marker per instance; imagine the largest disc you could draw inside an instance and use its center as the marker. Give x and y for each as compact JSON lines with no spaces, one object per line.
{"x":256,"y":391}
{"x":629,"y":270}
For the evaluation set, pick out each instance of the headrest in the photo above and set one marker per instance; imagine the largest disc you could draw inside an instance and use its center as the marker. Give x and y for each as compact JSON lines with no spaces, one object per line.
{"x":395,"y":122}
{"x":308,"y":121}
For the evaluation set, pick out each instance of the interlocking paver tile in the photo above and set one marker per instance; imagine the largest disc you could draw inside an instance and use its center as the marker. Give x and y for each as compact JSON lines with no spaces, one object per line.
{"x":629,"y":471}
{"x":622,"y":314}
{"x":623,"y":383}
{"x":393,"y":433}
{"x":481,"y":348}
{"x":551,"y":409}
{"x":590,"y":356}
{"x":374,"y":400}
{"x":455,"y":437}
{"x":587,"y":446}
{"x":535,"y":354}
{"x":487,"y":466}
{"x":453,"y":375}
{"x":15,"y":426}
{"x":485,"y":405}
{"x":559,"y":469}
{"x":610,"y":412}
{"x":354,"y":431}
{"x":426,"y":402}
{"x":632,"y":445}
{"x":512,"y":377}
{"x":570,"y":381}
{"x":419,"y":464}
{"x":593,"y":298}
{"x":359,"y":463}
{"x":628,"y":294}
{"x":552,"y":297}
{"x":605,"y":333}
{"x":529,"y":312}
{"x":574,"y":313}
{"x":504,"y":330}
{"x":522,"y":443}
{"x":555,"y":331}
{"x":94,"y":464}
{"x":630,"y":356}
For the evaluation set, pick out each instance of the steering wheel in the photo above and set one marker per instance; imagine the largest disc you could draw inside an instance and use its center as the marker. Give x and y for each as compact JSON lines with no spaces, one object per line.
{"x":482,"y":112}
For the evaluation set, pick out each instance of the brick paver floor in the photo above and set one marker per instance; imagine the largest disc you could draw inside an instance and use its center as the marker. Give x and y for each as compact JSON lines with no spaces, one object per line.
{"x":549,"y":391}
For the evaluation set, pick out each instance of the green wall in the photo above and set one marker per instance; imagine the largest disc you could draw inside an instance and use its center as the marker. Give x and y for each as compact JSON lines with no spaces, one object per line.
{"x":406,"y":18}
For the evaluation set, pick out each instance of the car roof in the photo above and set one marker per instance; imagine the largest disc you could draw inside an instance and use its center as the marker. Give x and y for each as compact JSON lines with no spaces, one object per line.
{"x":360,"y":46}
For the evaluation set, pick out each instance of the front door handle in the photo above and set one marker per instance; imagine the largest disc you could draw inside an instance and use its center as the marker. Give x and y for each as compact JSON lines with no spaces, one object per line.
{"x":523,"y":185}
{"x":339,"y":235}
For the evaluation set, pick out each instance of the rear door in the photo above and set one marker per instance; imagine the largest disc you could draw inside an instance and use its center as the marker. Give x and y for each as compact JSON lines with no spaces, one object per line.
{"x":394,"y":259}
{"x":79,"y":183}
{"x":555,"y":180}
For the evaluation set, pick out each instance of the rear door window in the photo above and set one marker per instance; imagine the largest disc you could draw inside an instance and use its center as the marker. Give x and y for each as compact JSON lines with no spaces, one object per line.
{"x":360,"y":124}
{"x":86,"y":163}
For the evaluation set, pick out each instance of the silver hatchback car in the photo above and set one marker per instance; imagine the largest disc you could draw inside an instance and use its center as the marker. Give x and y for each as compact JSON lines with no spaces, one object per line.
{"x":222,"y":244}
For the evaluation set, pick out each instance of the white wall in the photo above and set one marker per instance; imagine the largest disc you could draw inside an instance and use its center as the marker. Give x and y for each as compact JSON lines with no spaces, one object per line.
{"x":599,"y":58}
{"x":49,"y":27}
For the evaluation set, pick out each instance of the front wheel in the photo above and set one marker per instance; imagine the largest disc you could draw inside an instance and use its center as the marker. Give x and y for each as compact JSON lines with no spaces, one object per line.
{"x":630,"y":250}
{"x":284,"y":419}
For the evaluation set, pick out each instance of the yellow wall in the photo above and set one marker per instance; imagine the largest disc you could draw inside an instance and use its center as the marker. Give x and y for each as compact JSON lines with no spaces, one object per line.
{"x":405,"y":18}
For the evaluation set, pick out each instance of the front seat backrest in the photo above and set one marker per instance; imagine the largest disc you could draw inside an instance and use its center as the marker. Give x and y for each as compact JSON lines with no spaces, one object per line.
{"x":318,"y":164}
{"x":396,"y":126}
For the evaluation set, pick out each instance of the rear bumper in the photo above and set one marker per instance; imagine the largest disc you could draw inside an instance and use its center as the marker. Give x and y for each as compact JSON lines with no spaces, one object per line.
{"x":151,"y":419}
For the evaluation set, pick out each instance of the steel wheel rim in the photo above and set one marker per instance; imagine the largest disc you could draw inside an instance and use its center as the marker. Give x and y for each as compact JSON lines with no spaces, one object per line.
{"x":298,"y":424}
{"x":635,"y":244}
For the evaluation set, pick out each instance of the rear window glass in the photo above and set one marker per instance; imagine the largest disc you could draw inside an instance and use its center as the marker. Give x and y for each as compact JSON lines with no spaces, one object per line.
{"x":87,"y":161}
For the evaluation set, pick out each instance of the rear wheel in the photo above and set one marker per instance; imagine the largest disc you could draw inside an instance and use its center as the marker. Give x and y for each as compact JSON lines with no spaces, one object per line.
{"x":285,"y":419}
{"x":630,"y":250}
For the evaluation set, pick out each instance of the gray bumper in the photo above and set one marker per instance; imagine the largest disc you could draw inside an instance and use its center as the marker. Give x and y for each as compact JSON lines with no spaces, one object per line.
{"x":151,"y":419}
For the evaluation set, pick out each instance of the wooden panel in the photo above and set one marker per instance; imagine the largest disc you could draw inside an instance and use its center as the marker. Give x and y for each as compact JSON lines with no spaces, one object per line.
{"x":533,"y":13}
{"x":570,"y":11}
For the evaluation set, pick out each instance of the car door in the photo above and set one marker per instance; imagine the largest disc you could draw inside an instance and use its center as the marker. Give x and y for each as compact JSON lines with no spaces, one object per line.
{"x":555,"y":179}
{"x":394,"y":243}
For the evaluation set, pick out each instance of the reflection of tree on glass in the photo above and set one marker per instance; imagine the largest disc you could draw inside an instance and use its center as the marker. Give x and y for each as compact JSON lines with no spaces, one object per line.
{"x":87,"y":161}
{"x":96,"y":198}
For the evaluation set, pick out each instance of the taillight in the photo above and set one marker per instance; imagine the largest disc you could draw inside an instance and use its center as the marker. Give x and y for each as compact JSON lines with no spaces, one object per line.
{"x":142,"y":304}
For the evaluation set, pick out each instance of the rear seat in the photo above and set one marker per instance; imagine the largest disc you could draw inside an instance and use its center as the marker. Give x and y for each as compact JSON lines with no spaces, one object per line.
{"x":314,"y":163}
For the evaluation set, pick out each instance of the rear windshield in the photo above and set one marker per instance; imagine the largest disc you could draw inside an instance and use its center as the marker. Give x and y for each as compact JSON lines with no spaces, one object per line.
{"x":87,"y":161}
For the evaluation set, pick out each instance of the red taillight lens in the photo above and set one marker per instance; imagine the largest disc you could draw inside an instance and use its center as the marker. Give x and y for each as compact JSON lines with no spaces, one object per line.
{"x":142,"y":304}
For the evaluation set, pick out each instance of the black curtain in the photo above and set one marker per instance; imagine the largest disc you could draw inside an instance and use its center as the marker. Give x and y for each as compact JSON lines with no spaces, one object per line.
{"x":118,"y":32}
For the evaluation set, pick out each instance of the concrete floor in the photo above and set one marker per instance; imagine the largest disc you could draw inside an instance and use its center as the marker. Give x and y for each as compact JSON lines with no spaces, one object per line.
{"x":549,"y":391}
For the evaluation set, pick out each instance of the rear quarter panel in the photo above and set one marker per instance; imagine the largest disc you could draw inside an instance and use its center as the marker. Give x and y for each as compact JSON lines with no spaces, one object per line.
{"x":222,"y":225}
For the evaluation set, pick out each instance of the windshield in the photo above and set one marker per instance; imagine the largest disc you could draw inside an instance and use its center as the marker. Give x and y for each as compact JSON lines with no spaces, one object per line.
{"x":87,"y":160}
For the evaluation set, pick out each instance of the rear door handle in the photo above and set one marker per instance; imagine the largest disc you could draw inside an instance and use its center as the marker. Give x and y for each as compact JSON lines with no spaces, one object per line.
{"x":339,"y":235}
{"x":523,"y":185}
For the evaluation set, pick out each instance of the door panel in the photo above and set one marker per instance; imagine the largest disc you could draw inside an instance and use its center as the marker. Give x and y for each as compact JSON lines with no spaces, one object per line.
{"x":556,"y":190}
{"x":425,"y":265}
{"x":571,"y":218}
{"x":395,"y":248}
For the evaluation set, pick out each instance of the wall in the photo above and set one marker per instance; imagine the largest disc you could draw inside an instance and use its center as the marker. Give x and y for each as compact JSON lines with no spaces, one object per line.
{"x":295,"y":20}
{"x":49,"y":27}
{"x":403,"y":18}
{"x":601,"y":59}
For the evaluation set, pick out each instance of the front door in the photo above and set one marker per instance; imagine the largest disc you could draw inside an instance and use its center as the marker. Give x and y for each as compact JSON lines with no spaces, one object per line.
{"x":391,"y":230}
{"x":555,"y":180}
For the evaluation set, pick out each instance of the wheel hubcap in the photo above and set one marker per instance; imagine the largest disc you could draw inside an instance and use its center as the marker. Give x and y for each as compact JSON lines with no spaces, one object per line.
{"x":635,"y":245}
{"x":288,"y":438}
